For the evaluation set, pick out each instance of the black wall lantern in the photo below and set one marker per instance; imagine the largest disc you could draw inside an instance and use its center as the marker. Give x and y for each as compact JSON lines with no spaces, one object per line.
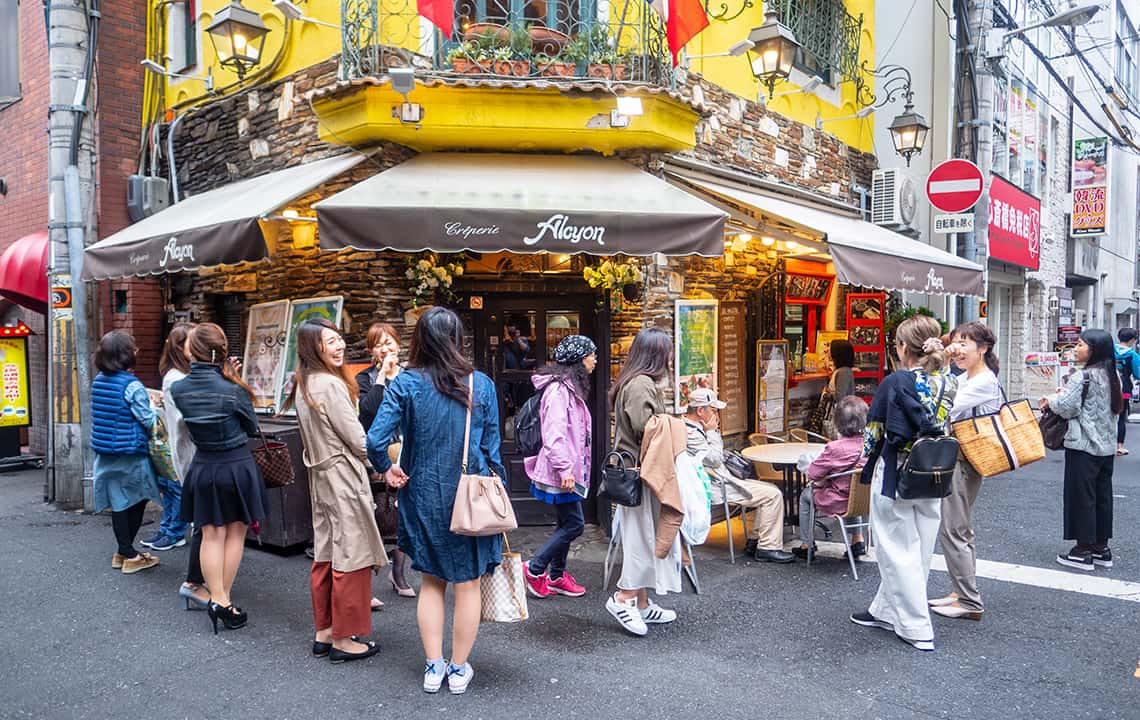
{"x":238,"y":36}
{"x":909,"y":129}
{"x":774,"y":49}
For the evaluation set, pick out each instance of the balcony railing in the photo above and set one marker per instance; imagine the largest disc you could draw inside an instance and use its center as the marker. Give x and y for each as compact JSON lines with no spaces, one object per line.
{"x":829,"y":36}
{"x":555,"y":40}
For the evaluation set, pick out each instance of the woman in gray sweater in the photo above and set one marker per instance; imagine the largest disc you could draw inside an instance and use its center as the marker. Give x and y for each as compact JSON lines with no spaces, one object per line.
{"x":1091,"y":401}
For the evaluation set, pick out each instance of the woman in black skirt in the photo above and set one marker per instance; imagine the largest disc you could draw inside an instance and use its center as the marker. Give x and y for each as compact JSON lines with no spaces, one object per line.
{"x":223,"y":491}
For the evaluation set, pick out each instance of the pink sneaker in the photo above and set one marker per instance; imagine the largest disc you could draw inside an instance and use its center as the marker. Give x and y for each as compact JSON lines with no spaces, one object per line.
{"x":566,"y":585}
{"x":536,"y":585}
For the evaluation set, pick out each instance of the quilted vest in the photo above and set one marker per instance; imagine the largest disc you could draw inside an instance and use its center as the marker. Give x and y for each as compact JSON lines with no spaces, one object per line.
{"x":114,"y":430}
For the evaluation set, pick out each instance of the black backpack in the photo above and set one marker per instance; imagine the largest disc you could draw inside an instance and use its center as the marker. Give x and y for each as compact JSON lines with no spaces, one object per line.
{"x":929,"y":468}
{"x":528,"y":426}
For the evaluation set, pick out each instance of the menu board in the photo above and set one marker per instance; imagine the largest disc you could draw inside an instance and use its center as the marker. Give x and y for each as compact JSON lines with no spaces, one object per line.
{"x":733,"y":368}
{"x":772,"y":386}
{"x":264,"y":359}
{"x":695,"y":348}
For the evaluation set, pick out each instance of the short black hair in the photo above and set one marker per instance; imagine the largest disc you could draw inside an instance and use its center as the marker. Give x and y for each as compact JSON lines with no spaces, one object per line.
{"x":1126,"y":334}
{"x":116,"y":352}
{"x":842,"y":353}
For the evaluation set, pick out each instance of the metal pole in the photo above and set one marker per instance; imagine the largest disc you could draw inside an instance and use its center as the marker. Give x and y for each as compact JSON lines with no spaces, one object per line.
{"x":976,"y":245}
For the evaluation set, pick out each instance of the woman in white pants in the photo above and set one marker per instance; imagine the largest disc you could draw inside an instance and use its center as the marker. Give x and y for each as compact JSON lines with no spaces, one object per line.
{"x":911,"y":402}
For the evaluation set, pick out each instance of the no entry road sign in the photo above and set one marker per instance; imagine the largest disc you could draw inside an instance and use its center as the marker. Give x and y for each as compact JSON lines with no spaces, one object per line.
{"x":954,"y":185}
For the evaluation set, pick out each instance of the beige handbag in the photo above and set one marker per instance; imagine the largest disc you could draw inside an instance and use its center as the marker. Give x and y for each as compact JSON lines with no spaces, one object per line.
{"x":481,"y":504}
{"x":503,"y":591}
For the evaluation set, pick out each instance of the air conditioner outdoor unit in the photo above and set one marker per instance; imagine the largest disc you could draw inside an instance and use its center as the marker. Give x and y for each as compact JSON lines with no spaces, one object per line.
{"x":146,"y":195}
{"x":893,"y":198}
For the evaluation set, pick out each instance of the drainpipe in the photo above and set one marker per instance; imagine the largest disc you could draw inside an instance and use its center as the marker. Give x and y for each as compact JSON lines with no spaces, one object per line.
{"x":171,"y":166}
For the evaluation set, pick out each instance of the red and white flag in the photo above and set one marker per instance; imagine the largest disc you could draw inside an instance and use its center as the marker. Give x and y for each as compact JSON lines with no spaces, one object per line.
{"x":684,"y":19}
{"x":440,"y":13}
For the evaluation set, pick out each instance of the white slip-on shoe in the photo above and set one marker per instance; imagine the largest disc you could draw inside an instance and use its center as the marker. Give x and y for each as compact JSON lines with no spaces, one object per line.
{"x":434,"y":673}
{"x":459,"y":677}
{"x":654,"y":613}
{"x":626,"y":613}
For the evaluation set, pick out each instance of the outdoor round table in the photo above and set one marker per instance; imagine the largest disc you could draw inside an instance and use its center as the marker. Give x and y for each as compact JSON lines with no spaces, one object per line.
{"x":784,"y":456}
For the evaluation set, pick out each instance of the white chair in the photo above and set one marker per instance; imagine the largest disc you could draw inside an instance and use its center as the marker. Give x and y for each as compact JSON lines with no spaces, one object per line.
{"x":858,"y":506}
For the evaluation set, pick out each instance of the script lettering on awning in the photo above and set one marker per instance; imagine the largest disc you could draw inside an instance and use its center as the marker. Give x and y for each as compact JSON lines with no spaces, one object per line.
{"x":176,"y":252}
{"x":560,"y":228}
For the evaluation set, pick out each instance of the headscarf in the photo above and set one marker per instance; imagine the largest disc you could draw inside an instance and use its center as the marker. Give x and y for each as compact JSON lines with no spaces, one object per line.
{"x":574,"y":349}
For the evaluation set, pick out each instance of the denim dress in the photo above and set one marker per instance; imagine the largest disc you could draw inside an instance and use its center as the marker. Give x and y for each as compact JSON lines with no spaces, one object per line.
{"x":432,"y":426}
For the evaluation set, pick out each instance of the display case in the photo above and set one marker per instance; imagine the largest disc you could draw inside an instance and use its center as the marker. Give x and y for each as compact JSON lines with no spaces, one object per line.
{"x":807,"y":292}
{"x":865,"y":312}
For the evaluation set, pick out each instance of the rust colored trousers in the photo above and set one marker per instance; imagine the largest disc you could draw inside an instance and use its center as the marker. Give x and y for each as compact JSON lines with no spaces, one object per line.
{"x":341,"y":600}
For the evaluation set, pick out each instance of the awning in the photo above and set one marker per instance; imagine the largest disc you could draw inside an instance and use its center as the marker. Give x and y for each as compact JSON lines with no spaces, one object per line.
{"x":23,"y":272}
{"x":218,"y":227}
{"x":451,"y":202}
{"x":864,"y":254}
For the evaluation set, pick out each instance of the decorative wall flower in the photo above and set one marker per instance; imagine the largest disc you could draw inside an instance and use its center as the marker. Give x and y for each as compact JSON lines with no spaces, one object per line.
{"x":429,"y":275}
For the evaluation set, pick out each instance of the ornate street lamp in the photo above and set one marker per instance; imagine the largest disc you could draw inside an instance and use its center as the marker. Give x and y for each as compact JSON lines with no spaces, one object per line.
{"x":909,"y":129}
{"x":774,"y":49}
{"x":238,"y":36}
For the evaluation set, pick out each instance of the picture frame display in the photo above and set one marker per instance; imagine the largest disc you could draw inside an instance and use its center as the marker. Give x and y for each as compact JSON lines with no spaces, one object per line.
{"x":695,"y":340}
{"x":328,"y":308}
{"x":264,"y":360}
{"x":772,"y":386}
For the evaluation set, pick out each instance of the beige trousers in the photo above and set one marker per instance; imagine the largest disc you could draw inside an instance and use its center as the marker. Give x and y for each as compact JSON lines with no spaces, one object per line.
{"x":767,"y":503}
{"x":957,"y":535}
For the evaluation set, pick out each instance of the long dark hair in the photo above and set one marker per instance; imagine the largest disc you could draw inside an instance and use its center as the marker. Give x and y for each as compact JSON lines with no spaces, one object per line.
{"x":649,"y":354}
{"x":436,"y":349}
{"x":174,"y":351}
{"x":310,"y":362}
{"x":1102,"y":354}
{"x":208,"y":344}
{"x":982,"y":335}
{"x":576,"y":374}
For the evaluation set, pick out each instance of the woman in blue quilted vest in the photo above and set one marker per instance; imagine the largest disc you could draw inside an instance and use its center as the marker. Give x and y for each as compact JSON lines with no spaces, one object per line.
{"x":121,"y":422}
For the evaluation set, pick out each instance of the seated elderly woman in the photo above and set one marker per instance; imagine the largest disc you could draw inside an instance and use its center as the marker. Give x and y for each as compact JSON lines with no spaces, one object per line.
{"x":829,"y":489}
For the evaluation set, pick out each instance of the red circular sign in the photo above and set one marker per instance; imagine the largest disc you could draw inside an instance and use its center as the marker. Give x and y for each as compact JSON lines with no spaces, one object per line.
{"x":955,"y":185}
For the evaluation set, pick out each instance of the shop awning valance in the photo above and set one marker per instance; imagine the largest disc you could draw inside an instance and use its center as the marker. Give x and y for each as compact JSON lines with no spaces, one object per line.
{"x":23,"y":272}
{"x":218,"y":227}
{"x":864,"y":254}
{"x":452,"y":202}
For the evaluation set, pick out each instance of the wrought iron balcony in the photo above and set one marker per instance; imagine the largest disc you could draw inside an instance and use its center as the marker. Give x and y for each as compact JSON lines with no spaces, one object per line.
{"x":829,"y":36}
{"x":551,"y":40}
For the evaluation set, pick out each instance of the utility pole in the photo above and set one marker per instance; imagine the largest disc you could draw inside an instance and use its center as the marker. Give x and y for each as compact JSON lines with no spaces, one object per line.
{"x":72,"y":39}
{"x":976,"y":247}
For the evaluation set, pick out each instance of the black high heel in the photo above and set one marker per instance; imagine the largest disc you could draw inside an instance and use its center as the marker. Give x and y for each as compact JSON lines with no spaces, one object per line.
{"x":232,"y":618}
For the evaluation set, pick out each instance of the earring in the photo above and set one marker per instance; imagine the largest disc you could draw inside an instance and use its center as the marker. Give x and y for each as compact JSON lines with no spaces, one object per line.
{"x":212,"y":355}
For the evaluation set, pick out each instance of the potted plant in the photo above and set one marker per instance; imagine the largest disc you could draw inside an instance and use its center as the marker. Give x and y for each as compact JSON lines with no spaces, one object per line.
{"x":603,"y":60}
{"x":430,"y":277}
{"x":463,"y":57}
{"x":554,"y":66}
{"x":618,"y":278}
{"x":513,"y":58}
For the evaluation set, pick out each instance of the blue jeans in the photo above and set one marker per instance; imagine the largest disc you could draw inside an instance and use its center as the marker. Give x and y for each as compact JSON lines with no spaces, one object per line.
{"x":172,"y":524}
{"x":553,"y":554}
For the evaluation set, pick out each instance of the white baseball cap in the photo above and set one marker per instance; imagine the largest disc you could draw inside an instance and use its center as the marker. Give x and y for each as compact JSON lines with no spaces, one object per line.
{"x":705,"y":397}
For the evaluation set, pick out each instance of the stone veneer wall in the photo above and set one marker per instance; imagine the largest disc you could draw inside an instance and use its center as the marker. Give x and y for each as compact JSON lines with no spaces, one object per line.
{"x":272,"y":126}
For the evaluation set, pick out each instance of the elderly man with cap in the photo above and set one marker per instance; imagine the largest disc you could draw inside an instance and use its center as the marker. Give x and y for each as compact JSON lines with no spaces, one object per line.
{"x":560,"y":473}
{"x":702,"y":423}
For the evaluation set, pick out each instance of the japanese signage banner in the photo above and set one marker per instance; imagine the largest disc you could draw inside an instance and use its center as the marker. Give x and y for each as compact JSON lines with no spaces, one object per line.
{"x":1015,"y":224}
{"x":1090,"y":186}
{"x":15,"y":410}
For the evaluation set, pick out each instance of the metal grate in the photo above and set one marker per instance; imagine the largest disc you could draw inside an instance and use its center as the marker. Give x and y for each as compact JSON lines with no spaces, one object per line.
{"x":884,"y":194}
{"x":829,"y":36}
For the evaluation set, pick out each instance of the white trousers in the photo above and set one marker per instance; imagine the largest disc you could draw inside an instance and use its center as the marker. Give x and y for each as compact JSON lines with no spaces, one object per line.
{"x":904,"y":532}
{"x":640,"y":566}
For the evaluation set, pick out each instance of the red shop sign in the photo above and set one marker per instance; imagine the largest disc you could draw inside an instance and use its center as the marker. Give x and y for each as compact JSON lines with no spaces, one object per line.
{"x":1015,"y":224}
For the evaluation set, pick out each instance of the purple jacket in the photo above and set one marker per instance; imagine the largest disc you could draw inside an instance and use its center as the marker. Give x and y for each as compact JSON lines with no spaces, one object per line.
{"x":838,"y":456}
{"x":565,"y":436}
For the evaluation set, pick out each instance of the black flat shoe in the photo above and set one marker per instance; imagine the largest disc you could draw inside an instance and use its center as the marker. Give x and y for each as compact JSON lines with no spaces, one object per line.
{"x":859,"y":549}
{"x":803,"y":552}
{"x":339,"y":656}
{"x":321,"y":649}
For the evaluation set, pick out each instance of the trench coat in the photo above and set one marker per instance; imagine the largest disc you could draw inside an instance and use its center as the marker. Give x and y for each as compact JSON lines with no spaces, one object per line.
{"x":344,"y":526}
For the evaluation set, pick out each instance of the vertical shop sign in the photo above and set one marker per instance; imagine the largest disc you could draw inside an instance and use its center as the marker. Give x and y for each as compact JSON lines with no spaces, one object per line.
{"x":1090,"y":186}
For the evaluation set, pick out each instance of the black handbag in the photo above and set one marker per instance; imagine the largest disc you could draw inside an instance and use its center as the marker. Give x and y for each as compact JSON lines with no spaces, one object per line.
{"x":928,"y":469}
{"x":621,"y":480}
{"x":740,"y":468}
{"x":1054,"y":427}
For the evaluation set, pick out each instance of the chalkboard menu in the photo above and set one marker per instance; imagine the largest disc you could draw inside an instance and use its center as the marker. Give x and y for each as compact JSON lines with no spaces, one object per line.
{"x":733,"y":368}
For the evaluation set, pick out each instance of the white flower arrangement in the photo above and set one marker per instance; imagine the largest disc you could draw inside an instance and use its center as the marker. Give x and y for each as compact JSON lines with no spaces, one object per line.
{"x":429,"y":276}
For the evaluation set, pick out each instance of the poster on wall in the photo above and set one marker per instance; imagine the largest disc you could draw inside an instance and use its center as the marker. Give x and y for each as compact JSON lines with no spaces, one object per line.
{"x":328,"y":308}
{"x":263,"y":363}
{"x":15,"y":404}
{"x":823,"y":340}
{"x":733,"y":377}
{"x":772,"y":386}
{"x":1090,"y":186}
{"x":695,"y":348}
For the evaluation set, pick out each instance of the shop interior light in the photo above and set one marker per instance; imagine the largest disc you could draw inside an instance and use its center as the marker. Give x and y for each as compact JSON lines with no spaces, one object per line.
{"x":791,"y":245}
{"x":238,"y":36}
{"x":290,"y":214}
{"x":767,"y":241}
{"x":774,"y":49}
{"x":17,"y":330}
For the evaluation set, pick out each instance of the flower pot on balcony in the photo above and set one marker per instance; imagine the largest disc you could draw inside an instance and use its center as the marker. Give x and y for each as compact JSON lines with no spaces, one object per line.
{"x":513,"y":68}
{"x":547,"y":41}
{"x":475,"y":31}
{"x":466,"y":66}
{"x":558,"y":69}
{"x":604,"y":71}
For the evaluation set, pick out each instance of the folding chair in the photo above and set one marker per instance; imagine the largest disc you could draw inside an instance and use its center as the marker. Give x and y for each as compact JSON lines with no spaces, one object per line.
{"x":727,"y":507}
{"x":801,"y":435}
{"x":614,"y":549}
{"x":858,"y":505}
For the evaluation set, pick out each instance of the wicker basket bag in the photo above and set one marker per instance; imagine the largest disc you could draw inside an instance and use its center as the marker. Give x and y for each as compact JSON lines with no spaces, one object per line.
{"x":995,"y":443}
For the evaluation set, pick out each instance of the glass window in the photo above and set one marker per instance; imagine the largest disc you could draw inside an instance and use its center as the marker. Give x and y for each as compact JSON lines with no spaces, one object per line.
{"x":1013,"y":123}
{"x":9,"y":51}
{"x":559,"y":325}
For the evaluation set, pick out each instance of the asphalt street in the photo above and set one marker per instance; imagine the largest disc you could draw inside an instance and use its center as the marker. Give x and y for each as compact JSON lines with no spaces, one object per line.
{"x":761,"y":641}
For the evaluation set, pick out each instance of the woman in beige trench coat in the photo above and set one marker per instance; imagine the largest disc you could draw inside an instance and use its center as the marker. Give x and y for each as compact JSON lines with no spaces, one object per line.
{"x":346,"y":542}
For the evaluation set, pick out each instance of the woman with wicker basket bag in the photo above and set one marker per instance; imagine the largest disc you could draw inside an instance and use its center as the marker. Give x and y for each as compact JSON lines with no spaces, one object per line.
{"x":979,"y":393}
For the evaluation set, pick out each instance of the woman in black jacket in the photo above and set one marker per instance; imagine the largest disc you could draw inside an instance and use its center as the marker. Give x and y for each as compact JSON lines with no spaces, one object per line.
{"x":384,"y":350}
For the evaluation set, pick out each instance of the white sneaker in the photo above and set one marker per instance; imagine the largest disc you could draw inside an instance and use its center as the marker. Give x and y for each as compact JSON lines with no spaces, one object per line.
{"x":654,"y":613}
{"x":625,"y":612}
{"x":434,"y":672}
{"x":459,"y":677}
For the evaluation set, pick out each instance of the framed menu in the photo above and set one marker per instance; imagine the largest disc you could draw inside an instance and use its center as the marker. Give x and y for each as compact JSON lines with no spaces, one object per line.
{"x":695,"y":348}
{"x":328,"y":308}
{"x":264,"y":360}
{"x":733,"y":368}
{"x":772,"y":386}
